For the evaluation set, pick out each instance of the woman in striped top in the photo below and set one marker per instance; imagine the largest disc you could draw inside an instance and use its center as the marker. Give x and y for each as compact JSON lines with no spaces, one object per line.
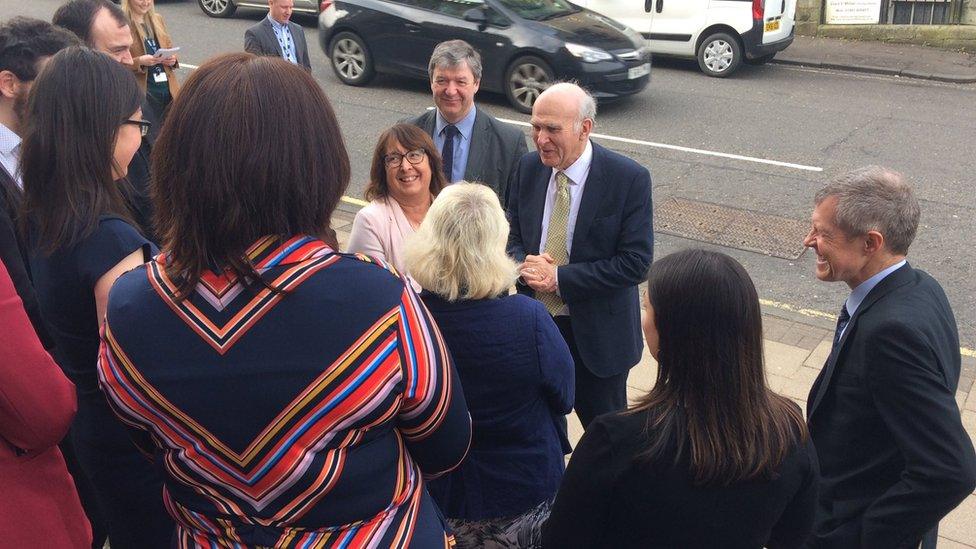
{"x":293,"y":396}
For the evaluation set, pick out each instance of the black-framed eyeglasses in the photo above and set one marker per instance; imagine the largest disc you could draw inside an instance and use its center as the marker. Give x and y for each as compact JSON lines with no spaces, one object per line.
{"x":393,"y":160}
{"x":144,"y":126}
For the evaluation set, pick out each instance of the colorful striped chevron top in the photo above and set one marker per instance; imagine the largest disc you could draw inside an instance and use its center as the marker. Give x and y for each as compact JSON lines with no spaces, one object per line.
{"x":300,"y":418}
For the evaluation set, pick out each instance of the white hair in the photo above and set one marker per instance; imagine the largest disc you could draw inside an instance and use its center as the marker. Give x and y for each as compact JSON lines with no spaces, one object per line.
{"x":459,"y":250}
{"x":587,"y":104}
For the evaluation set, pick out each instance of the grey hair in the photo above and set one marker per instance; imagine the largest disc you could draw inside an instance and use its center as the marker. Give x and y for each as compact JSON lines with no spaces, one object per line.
{"x":587,"y":104}
{"x":874,"y":198}
{"x":459,"y":250}
{"x":450,"y":54}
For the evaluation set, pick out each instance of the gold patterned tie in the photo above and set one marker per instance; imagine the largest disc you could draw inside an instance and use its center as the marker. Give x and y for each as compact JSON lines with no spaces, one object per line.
{"x":556,"y":239}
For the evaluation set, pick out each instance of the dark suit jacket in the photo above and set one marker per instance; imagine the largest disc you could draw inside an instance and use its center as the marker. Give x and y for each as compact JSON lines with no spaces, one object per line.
{"x":260,"y":39}
{"x":894,"y":456}
{"x":613,"y":245}
{"x":13,"y":254}
{"x":496,"y":148}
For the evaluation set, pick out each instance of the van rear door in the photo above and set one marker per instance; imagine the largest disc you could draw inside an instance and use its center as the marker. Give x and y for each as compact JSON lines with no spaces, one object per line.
{"x":778,"y":20}
{"x":676,"y":25}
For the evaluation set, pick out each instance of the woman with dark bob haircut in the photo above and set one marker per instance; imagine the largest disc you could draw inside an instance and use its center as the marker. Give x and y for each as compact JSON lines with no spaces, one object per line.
{"x":711,"y":457}
{"x":295,"y":396}
{"x":84,"y":126}
{"x":404,"y":179}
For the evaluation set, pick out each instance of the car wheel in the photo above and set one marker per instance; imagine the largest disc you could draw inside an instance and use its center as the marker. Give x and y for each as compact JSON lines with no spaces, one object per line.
{"x":760,"y":60}
{"x":525,"y":79}
{"x":719,"y":55}
{"x":218,"y":8}
{"x":351,"y":60}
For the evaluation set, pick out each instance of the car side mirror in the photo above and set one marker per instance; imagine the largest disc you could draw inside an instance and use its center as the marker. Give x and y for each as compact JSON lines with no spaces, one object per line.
{"x":476,"y":15}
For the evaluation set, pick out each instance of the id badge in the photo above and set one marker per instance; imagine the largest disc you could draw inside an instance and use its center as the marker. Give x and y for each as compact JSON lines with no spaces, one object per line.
{"x":160,"y":77}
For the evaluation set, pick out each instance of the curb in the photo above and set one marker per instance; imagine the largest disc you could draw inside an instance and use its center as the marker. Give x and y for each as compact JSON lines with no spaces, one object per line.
{"x":870,"y":69}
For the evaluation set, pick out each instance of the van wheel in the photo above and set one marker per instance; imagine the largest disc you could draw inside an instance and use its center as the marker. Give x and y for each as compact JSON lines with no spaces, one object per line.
{"x":760,"y":60}
{"x":719,"y":55}
{"x":525,"y":79}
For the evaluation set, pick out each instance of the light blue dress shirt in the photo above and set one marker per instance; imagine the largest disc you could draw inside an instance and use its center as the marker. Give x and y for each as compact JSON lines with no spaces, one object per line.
{"x":863,"y":289}
{"x":462,"y":143}
{"x":285,"y":40}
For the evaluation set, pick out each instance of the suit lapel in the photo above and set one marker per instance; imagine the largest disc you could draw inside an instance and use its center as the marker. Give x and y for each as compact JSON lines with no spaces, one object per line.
{"x":298,"y":41}
{"x":895,"y":280}
{"x":592,"y":196}
{"x":535,"y":206}
{"x":478,"y":147}
{"x":269,"y":35}
{"x":428,"y":122}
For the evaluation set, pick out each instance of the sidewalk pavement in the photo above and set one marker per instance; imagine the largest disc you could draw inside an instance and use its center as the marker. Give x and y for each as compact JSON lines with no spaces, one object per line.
{"x":880,"y":58}
{"x":796,"y":349}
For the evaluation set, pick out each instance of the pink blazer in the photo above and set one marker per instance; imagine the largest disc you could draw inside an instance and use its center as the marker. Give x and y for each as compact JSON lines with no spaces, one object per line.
{"x":380,"y":230}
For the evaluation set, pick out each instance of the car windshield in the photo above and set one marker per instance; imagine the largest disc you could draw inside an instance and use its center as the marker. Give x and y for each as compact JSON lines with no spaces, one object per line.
{"x":540,"y":10}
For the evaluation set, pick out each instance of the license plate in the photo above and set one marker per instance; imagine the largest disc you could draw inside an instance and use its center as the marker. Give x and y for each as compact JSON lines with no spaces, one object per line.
{"x":772,"y":25}
{"x":637,"y":72}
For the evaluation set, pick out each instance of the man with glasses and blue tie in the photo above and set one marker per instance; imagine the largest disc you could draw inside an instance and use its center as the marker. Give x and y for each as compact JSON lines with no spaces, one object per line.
{"x":277,"y":36}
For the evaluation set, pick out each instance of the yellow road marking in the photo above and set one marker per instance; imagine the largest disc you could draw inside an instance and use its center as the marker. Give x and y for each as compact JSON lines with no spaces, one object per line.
{"x":964,"y":351}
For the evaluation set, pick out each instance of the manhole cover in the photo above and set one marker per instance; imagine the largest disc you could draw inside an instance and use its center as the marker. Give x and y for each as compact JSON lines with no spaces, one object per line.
{"x":732,"y":227}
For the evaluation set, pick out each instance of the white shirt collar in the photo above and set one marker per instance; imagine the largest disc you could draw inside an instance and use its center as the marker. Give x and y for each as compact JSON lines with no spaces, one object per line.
{"x":577,"y":171}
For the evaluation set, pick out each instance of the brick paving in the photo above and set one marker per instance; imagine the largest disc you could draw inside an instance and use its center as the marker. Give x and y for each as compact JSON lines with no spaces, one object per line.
{"x":796,"y":349}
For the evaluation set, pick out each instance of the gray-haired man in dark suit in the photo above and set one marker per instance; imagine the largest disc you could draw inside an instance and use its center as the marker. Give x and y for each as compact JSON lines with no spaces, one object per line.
{"x":474,"y":145}
{"x":277,"y":36}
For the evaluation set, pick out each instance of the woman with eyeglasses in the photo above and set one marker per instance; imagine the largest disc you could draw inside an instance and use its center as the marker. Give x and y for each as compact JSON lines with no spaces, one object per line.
{"x":85,"y":125}
{"x":404,"y":179}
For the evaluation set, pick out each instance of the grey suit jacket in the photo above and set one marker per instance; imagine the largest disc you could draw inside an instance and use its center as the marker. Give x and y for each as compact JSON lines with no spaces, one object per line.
{"x":496,"y":148}
{"x":260,"y":39}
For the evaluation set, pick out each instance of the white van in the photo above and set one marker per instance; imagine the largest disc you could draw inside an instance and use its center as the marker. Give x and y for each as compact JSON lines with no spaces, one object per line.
{"x":721,"y":34}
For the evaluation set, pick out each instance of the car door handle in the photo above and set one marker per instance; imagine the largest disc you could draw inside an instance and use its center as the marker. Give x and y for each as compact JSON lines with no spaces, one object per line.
{"x":660,"y":6}
{"x":411,"y":27}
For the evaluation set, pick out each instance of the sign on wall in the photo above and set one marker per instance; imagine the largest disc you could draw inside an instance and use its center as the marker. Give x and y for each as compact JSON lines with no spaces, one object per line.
{"x":853,"y":12}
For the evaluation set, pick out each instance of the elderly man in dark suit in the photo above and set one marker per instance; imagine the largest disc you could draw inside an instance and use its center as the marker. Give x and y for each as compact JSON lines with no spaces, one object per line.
{"x":894,"y":456}
{"x":474,"y":145}
{"x":277,"y":36}
{"x":581,"y":227}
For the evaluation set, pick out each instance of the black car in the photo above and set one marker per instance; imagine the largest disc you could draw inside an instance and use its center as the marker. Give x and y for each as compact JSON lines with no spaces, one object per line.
{"x":525,"y":44}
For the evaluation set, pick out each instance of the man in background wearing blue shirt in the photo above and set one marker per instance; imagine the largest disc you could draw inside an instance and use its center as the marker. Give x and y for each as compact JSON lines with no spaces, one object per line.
{"x":277,"y":36}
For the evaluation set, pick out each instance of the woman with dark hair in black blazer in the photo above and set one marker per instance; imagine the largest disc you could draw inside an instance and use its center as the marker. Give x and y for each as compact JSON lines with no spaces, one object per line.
{"x":710,"y":457}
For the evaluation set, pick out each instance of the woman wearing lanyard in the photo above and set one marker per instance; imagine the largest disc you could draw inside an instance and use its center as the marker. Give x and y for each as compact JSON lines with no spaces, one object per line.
{"x":156,"y":75}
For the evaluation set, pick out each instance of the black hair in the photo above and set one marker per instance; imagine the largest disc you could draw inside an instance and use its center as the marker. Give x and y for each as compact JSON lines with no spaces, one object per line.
{"x":24,"y":41}
{"x":78,"y":15}
{"x":75,"y":110}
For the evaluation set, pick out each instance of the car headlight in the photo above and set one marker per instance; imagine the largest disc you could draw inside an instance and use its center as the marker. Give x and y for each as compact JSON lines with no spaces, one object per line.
{"x":588,"y":54}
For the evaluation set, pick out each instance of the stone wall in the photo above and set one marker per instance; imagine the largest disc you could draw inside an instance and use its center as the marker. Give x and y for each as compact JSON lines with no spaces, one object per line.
{"x":969,"y":12}
{"x":809,"y":14}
